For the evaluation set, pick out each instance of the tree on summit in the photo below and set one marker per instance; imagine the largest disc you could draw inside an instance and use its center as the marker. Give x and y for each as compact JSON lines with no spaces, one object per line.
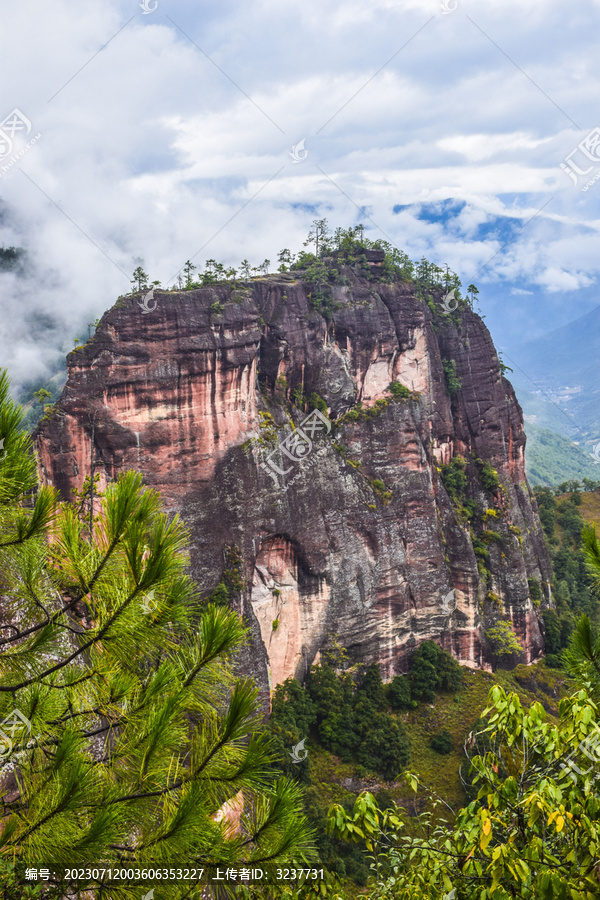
{"x":188,"y":271}
{"x":140,"y":279}
{"x":317,"y":234}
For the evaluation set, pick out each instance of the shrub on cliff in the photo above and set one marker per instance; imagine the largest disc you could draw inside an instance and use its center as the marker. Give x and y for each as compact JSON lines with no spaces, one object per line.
{"x":399,"y":390}
{"x":123,"y":728}
{"x":488,"y":476}
{"x":504,"y":645}
{"x":317,"y":402}
{"x":455,"y":478}
{"x":453,"y":382}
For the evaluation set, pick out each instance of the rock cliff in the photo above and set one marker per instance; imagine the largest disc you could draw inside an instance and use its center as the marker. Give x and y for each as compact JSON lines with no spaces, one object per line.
{"x":357,"y":524}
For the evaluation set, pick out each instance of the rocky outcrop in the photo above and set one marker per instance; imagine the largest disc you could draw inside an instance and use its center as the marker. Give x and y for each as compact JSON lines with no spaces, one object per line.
{"x":342,"y":526}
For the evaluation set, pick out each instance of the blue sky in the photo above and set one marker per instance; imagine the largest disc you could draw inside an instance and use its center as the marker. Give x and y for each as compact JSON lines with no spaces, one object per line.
{"x":167,"y":135}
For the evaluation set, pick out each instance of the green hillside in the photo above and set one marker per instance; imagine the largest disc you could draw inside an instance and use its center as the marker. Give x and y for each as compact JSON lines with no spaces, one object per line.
{"x":330,"y":777}
{"x":551,"y":459}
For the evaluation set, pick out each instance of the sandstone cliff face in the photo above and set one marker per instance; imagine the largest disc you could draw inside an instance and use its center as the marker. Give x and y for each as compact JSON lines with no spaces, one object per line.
{"x":198,"y":399}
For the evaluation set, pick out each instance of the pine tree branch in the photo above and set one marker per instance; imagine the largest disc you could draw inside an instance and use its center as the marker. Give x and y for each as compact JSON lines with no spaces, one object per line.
{"x":65,"y":662}
{"x":58,"y":809}
{"x":53,"y":621}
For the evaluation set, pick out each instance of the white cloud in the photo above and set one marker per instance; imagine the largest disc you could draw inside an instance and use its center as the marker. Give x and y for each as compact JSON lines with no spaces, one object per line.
{"x":152,"y":147}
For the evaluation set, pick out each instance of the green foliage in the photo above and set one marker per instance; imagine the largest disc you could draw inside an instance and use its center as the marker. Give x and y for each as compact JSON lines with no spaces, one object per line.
{"x":398,"y":692}
{"x":398,"y":390}
{"x":433,"y":669}
{"x":316,"y":402}
{"x":371,"y":688}
{"x":318,"y":235}
{"x":535,"y":591}
{"x":552,"y":628}
{"x":292,"y":715}
{"x":285,"y":260}
{"x":281,"y":386}
{"x":39,"y":397}
{"x":424,"y":679}
{"x":572,"y":585}
{"x":220,"y":595}
{"x":442,"y":742}
{"x":547,"y":510}
{"x":333,"y":696}
{"x":569,"y":519}
{"x":491,"y":537}
{"x":503,"y":643}
{"x":379,"y":487}
{"x":349,"y":246}
{"x":268,"y":427}
{"x":297,"y":396}
{"x":532,"y":826}
{"x":188,"y":270}
{"x":245,"y":269}
{"x":362,"y":414}
{"x":455,"y":478}
{"x":216,"y":308}
{"x":350,"y":718}
{"x":139,"y":731}
{"x":453,"y":383}
{"x":530,"y":833}
{"x":318,"y":274}
{"x":384,"y":747}
{"x":139,"y":279}
{"x":552,"y":458}
{"x":488,"y":476}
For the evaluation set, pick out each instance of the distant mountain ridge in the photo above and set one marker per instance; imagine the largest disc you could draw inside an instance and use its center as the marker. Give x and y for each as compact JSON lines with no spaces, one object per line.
{"x":557,"y":379}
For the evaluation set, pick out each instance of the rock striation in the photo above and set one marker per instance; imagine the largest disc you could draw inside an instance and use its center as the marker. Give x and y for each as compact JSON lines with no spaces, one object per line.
{"x":340,"y":527}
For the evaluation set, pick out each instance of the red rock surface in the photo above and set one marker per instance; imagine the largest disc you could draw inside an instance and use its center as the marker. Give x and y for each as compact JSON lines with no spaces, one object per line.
{"x":177,"y":393}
